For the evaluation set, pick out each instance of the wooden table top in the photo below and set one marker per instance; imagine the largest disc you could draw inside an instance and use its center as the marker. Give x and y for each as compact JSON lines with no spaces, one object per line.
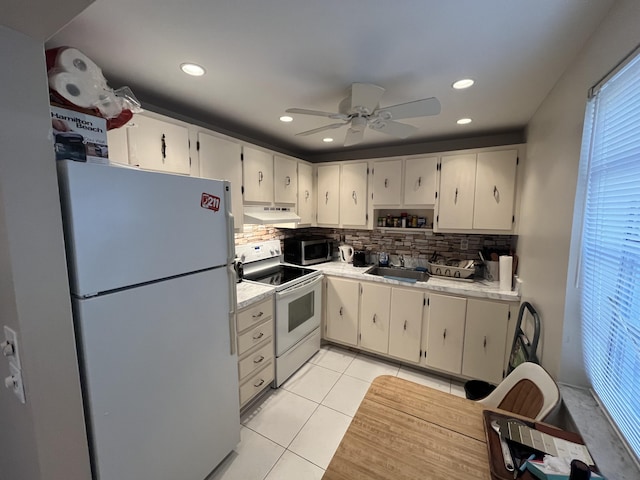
{"x":405,"y":431}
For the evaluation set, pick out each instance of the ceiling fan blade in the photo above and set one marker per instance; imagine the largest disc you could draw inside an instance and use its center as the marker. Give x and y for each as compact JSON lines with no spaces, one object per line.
{"x":353,"y":136}
{"x":420,"y":108}
{"x":367,"y":96}
{"x":321,"y":129}
{"x":395,"y":129}
{"x":304,"y":111}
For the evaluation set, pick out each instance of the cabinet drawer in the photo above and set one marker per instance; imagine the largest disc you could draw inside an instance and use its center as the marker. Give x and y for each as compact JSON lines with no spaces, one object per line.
{"x":256,"y":360}
{"x":256,"y":383}
{"x":254,"y":314}
{"x":252,"y":337}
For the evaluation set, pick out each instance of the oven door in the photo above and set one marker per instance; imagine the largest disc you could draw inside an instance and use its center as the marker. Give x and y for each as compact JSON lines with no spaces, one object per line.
{"x":297,"y":312}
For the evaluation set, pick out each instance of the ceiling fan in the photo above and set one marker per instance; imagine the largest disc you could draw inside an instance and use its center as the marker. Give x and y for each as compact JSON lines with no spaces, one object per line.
{"x":361,"y":108}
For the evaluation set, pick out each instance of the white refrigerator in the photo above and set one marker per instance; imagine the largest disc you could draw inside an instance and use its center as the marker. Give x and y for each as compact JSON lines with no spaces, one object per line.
{"x":153,"y":292}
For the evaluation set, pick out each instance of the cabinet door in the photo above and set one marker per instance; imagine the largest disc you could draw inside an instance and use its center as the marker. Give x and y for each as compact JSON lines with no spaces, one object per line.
{"x":342,"y":310}
{"x":485,"y":340}
{"x":220,"y":159}
{"x":405,"y":325}
{"x":329,"y":194}
{"x":445,"y":332}
{"x":387,"y":177}
{"x":118,"y":145}
{"x":456,"y":196}
{"x":495,"y":190}
{"x":306,"y":199}
{"x":257,"y":175}
{"x":285,"y":180}
{"x":374,"y":317}
{"x":353,"y":194}
{"x":158,"y":145}
{"x":420,"y":181}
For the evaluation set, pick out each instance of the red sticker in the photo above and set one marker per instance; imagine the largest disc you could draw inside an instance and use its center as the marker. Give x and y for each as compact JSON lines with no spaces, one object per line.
{"x":210,"y":201}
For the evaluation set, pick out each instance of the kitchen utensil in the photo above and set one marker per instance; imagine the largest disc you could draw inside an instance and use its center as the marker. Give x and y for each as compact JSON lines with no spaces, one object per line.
{"x":346,"y":253}
{"x":506,"y":454}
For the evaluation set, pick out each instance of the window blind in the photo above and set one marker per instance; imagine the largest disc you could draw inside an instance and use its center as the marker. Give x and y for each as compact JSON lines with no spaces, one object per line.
{"x":610,"y":249}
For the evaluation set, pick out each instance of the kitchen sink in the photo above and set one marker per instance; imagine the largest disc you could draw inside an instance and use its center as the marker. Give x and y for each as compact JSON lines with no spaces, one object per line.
{"x":399,"y":274}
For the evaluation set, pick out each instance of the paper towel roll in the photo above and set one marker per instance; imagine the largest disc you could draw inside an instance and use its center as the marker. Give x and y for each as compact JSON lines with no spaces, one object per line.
{"x":76,"y":89}
{"x":506,"y":265}
{"x":74,"y":61}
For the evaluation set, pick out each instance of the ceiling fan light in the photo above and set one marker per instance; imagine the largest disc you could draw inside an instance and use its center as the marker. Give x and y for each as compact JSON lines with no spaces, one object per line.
{"x":327,"y":140}
{"x":462,"y":84}
{"x":464,"y":121}
{"x":192,"y":69}
{"x":286,"y":119}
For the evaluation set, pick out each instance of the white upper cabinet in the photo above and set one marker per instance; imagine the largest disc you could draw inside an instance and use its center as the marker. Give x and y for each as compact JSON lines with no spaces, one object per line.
{"x":285,"y":180}
{"x":118,"y":145}
{"x":159,"y":145}
{"x":257,"y":175}
{"x":495,"y":190}
{"x":457,"y":192}
{"x":420,"y":179}
{"x":329,"y":194}
{"x":353,"y":194}
{"x":220,"y":159}
{"x":306,"y":198}
{"x":387,"y":182}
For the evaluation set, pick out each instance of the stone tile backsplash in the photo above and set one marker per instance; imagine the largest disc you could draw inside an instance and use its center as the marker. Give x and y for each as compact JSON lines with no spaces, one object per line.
{"x":416,"y":246}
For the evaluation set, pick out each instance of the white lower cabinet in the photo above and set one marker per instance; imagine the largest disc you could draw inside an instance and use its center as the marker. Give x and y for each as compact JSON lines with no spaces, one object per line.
{"x":374,"y":317}
{"x":405,"y":325}
{"x":445,"y":333}
{"x":255,"y":349}
{"x":341,"y":310}
{"x":485,"y":340}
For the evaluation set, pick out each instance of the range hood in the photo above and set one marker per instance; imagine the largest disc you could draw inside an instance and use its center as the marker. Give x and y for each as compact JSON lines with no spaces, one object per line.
{"x":262,"y":215}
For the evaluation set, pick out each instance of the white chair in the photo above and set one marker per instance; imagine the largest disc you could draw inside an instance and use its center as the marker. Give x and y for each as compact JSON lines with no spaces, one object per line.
{"x":528,"y":390}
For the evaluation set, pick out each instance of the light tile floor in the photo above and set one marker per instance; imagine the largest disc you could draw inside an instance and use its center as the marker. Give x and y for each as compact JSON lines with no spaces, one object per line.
{"x":293,"y":432}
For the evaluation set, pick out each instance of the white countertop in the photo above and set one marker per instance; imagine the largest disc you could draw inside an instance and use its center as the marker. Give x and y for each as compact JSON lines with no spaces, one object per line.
{"x":248,"y":293}
{"x":479,"y":289}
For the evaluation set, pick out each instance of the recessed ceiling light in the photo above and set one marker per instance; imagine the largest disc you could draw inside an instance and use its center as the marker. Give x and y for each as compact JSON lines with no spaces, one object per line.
{"x":286,"y":118}
{"x":463,"y":121}
{"x":327,"y":140}
{"x":192,"y":69}
{"x":464,"y":83}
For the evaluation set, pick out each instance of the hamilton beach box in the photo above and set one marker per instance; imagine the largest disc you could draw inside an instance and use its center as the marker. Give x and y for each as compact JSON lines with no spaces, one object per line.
{"x":78,"y":136}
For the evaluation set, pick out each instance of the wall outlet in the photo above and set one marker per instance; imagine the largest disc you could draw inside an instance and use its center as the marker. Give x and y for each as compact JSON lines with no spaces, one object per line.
{"x":14,"y":383}
{"x":9,"y":347}
{"x":464,"y":244}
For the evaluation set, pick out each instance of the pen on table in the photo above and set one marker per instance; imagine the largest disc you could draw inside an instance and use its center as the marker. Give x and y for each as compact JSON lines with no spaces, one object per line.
{"x":523,"y":466}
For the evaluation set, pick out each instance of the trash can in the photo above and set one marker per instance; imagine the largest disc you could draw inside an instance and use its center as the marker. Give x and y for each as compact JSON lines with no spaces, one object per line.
{"x":477,"y":389}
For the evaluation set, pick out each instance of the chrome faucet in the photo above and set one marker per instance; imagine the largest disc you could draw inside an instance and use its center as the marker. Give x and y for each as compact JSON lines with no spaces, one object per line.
{"x":401,"y":260}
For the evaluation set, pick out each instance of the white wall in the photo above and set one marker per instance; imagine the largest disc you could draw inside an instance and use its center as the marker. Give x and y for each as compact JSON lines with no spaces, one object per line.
{"x":44,"y":439}
{"x":553,"y":151}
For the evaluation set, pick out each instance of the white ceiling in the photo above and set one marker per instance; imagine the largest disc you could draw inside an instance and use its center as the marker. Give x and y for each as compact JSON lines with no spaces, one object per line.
{"x":264,"y":56}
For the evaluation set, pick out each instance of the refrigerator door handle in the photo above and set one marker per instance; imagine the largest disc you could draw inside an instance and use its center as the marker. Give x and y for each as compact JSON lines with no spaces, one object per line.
{"x":231,"y":278}
{"x":231,"y":247}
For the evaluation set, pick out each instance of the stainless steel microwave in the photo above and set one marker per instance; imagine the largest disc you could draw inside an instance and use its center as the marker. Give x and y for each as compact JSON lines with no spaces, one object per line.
{"x":307,"y":251}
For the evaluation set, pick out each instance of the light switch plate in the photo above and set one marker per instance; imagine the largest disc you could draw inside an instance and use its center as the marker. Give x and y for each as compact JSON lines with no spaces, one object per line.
{"x":18,"y":388}
{"x":12,"y":337}
{"x":464,"y":243}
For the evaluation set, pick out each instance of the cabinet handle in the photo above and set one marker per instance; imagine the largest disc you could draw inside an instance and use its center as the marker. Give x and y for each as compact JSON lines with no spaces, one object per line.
{"x":340,"y":311}
{"x":444,"y":334}
{"x":257,"y":315}
{"x":354,"y":196}
{"x":485,"y":342}
{"x":419,"y":181}
{"x":260,"y":176}
{"x":306,"y":194}
{"x":287,"y":180}
{"x":259,"y":359}
{"x":259,"y":383}
{"x":386,"y":182}
{"x":456,"y":199}
{"x":163,"y":148}
{"x":496,"y":193}
{"x":259,"y":336}
{"x":326,"y":197}
{"x":405,"y":324}
{"x":374,"y":318}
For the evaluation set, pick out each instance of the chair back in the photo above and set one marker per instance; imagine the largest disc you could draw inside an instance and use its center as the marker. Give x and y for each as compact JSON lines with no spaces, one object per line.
{"x":528,"y":390}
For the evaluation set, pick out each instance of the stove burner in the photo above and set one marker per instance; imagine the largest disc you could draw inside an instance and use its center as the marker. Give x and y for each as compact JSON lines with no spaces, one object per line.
{"x":278,"y":275}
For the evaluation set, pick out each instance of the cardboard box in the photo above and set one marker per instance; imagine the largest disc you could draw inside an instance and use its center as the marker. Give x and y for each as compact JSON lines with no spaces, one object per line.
{"x":78,"y":136}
